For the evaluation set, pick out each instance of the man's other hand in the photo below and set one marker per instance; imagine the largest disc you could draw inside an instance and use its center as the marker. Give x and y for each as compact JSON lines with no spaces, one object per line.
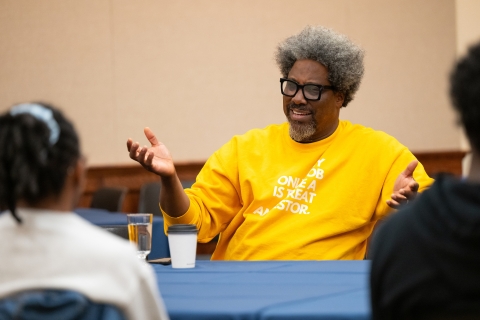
{"x":405,"y":188}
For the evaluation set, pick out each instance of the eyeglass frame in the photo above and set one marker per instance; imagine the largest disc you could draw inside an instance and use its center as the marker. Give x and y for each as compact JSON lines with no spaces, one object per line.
{"x":299,"y":86}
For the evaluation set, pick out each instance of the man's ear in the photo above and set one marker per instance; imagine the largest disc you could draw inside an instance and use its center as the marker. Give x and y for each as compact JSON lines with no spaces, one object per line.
{"x":339,"y":98}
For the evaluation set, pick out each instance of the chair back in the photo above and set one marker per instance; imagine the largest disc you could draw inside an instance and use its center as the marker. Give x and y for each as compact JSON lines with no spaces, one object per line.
{"x":120,"y":230}
{"x":54,"y":305}
{"x":149,"y":198}
{"x":187,"y":183}
{"x":109,"y":198}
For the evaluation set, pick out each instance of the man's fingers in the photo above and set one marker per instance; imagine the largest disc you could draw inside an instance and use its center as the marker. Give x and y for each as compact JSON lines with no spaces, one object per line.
{"x":133,"y":151}
{"x":399,"y":197}
{"x":151,"y":136}
{"x":414,"y":186}
{"x":393,"y":204}
{"x":410,"y":192}
{"x":408,"y":172}
{"x":149,"y":159}
{"x":141,"y":155}
{"x":129,"y":143}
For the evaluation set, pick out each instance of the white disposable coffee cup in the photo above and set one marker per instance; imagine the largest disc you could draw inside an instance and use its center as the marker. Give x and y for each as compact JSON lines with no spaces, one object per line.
{"x":182,"y":241}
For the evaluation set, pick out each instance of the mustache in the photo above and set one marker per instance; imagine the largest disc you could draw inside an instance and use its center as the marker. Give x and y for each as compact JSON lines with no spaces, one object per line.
{"x":301,"y":107}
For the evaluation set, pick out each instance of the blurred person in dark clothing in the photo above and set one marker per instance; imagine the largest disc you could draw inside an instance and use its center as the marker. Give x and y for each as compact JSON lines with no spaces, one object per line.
{"x":426,"y":257}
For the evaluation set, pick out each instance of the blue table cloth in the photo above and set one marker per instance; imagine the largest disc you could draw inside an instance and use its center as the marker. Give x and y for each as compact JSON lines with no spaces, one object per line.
{"x":101,"y":217}
{"x":266,"y":290}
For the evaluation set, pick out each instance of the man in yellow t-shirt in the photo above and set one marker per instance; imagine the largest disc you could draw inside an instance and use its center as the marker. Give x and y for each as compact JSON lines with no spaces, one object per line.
{"x":311,"y":188}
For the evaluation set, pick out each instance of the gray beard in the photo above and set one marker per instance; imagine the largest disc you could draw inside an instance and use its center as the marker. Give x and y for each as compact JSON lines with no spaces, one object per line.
{"x":301,"y":132}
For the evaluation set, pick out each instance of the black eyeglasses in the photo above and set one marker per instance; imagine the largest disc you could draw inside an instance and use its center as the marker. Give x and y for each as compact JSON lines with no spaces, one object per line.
{"x":310,"y":91}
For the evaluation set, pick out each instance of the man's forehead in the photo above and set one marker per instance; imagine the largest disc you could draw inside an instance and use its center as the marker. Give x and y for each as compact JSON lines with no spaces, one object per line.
{"x":309,"y":70}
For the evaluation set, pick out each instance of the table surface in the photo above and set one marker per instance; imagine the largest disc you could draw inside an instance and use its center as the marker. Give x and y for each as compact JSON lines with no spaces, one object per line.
{"x":266,"y":290}
{"x":101,"y":217}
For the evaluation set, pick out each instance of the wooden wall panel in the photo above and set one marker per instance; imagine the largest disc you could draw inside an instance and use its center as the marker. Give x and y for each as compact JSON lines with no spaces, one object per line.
{"x":133,"y":176}
{"x":442,"y":162}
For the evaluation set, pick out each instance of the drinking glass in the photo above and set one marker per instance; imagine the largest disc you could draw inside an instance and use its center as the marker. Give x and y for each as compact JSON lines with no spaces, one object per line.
{"x":140,"y":232}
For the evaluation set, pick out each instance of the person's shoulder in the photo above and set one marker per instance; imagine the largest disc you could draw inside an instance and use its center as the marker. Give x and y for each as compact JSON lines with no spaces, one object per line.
{"x":99,"y":242}
{"x":5,"y":219}
{"x":105,"y":251}
{"x":361,"y":130}
{"x":369,"y":135}
{"x":439,"y":213}
{"x":393,"y":233}
{"x":252,"y":140}
{"x":418,"y":216}
{"x":254,"y":137}
{"x":268,"y":132}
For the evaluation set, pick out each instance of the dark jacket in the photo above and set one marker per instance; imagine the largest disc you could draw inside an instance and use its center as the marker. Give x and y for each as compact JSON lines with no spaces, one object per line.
{"x":426,"y":257}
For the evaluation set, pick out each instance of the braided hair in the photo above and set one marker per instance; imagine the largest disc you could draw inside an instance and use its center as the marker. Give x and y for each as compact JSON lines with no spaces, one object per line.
{"x":35,"y":154}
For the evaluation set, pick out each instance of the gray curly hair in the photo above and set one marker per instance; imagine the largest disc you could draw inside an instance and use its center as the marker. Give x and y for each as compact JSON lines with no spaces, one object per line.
{"x":342,"y":58}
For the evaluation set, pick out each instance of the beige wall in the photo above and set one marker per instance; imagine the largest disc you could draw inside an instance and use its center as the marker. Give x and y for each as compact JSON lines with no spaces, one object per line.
{"x":199,"y":71}
{"x":468,"y":32}
{"x":468,"y":24}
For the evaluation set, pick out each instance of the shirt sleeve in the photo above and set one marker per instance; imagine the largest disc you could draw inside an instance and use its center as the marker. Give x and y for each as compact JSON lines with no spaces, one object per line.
{"x":215,"y":197}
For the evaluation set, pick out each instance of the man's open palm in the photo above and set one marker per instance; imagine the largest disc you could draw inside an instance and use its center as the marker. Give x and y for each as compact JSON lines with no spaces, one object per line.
{"x":156,"y":159}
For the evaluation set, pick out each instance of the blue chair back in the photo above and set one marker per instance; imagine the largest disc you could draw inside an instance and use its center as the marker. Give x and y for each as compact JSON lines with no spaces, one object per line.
{"x":149,"y":198}
{"x":54,"y":305}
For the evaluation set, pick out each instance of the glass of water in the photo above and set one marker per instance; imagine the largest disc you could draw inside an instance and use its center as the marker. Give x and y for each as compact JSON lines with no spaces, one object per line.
{"x":140,"y":232}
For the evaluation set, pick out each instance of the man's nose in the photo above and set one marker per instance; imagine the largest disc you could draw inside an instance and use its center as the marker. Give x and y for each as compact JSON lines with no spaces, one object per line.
{"x":299,"y":98}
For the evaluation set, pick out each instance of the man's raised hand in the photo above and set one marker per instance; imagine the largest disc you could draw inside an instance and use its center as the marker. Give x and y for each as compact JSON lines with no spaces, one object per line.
{"x":156,"y":159}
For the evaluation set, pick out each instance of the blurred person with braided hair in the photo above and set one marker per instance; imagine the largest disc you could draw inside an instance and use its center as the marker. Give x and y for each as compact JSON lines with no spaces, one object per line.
{"x":44,"y":244}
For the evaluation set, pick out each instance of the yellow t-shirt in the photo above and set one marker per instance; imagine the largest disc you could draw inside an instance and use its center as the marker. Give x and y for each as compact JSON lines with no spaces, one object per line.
{"x":271,"y":198}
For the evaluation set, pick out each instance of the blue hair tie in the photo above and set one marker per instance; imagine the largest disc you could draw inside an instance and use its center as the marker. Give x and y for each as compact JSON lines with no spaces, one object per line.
{"x":41,"y":113}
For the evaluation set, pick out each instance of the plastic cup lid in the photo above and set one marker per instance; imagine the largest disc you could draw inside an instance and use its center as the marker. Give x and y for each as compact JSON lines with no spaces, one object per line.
{"x":182,"y":228}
